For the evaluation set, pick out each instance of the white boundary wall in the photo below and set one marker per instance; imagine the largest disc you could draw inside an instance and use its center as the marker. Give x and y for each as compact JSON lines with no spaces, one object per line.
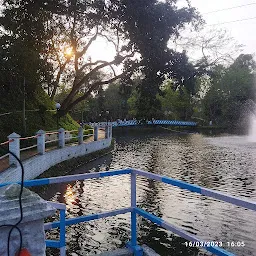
{"x":38,"y":164}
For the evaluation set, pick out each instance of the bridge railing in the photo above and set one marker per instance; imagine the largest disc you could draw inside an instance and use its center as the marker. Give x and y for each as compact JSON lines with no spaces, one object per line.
{"x":134,"y":122}
{"x":213,"y":247}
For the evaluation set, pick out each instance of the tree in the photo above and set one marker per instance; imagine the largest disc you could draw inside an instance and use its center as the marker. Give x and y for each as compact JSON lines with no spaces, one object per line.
{"x":108,"y":104}
{"x":230,"y":91}
{"x":209,"y":47}
{"x":175,"y":103}
{"x":22,"y":40}
{"x":116,"y":101}
{"x":138,"y":30}
{"x":132,"y":103}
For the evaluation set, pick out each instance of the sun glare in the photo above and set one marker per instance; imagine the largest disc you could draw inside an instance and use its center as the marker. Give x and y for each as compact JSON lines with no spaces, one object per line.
{"x":68,"y":51}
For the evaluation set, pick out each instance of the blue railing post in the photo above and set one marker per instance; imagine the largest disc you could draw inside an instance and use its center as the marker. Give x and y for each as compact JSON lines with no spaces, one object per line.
{"x":137,"y":250}
{"x":133,"y":213}
{"x":62,"y":232}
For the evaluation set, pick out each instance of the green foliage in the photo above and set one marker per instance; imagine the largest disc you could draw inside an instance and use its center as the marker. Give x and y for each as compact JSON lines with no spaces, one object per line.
{"x":21,"y":42}
{"x":132,"y":103}
{"x":40,"y":114}
{"x":108,"y":104}
{"x":170,"y":103}
{"x":148,"y":105}
{"x":176,"y":104}
{"x":116,"y":101}
{"x":231,"y":89}
{"x":68,"y":123}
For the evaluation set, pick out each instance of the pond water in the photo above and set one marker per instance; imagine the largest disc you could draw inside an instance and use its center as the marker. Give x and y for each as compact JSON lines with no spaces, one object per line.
{"x":226,"y":163}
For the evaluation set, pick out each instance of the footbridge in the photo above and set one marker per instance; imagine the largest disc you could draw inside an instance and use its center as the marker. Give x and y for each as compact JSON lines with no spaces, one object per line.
{"x":124,"y":123}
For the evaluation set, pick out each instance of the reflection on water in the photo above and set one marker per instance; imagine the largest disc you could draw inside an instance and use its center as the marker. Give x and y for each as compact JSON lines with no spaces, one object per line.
{"x":223,"y":163}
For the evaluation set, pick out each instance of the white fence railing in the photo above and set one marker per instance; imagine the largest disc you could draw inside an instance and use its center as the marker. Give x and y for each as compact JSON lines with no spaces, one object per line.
{"x":44,"y":138}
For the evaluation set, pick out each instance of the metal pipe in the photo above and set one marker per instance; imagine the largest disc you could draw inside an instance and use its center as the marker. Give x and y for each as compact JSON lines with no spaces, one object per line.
{"x":133,"y":213}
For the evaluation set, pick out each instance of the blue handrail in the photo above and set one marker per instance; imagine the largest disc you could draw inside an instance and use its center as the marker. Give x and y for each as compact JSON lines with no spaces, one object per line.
{"x":151,"y":122}
{"x":134,"y":210}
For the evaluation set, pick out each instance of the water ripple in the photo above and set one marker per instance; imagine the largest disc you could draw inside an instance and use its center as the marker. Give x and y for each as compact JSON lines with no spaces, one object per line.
{"x":227,"y":164}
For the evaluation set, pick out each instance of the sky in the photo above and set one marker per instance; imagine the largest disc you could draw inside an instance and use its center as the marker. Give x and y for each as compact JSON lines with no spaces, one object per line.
{"x":101,"y":50}
{"x":244,"y":32}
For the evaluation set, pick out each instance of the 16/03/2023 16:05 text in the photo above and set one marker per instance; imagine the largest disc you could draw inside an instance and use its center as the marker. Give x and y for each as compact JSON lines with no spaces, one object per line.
{"x":215,"y":244}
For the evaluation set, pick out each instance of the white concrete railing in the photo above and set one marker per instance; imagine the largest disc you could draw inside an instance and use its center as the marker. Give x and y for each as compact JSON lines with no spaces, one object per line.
{"x":43,"y":138}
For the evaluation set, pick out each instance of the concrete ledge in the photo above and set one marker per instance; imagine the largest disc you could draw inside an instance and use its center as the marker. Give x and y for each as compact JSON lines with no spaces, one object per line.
{"x":147,"y":251}
{"x":118,"y":252}
{"x":38,"y":164}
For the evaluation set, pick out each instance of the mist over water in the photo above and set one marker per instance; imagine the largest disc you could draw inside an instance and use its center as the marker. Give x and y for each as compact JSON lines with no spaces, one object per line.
{"x":252,"y":109}
{"x":252,"y":124}
{"x":252,"y":129}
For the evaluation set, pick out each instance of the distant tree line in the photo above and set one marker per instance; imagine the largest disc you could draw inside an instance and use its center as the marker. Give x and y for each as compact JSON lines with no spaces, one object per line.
{"x":231,"y":93}
{"x":225,"y":96}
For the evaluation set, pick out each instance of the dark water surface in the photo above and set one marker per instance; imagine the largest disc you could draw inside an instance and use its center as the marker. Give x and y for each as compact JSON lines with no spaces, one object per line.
{"x":226,"y":164}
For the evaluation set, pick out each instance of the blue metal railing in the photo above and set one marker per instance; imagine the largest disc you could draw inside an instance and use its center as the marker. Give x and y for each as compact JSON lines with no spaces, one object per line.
{"x":61,"y":244}
{"x":151,"y":122}
{"x":134,"y":210}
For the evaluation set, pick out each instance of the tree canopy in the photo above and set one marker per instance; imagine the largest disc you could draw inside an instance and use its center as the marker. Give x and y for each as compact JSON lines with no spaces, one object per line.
{"x":48,"y":40}
{"x":231,"y":91}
